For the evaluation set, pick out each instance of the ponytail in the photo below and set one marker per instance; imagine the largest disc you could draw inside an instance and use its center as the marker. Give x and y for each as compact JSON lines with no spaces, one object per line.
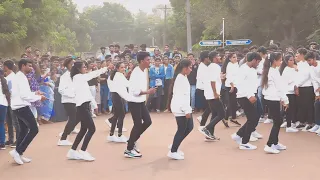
{"x":266,"y":66}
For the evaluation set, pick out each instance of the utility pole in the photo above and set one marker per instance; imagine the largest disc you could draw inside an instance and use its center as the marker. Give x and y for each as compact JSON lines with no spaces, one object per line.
{"x":189,"y":37}
{"x":165,"y":24}
{"x":223,"y":35}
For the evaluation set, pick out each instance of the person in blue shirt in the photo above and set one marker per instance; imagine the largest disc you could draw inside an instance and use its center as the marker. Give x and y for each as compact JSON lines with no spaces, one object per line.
{"x":169,"y":72}
{"x":157,"y":76}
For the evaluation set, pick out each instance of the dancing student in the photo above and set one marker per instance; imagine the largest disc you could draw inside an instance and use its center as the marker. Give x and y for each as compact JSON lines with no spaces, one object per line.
{"x":246,"y":89}
{"x":180,"y":107}
{"x":83,"y":98}
{"x":119,"y":96}
{"x":274,"y":93}
{"x":315,"y":74}
{"x":289,"y":73}
{"x":67,"y":92}
{"x":21,"y":98}
{"x":138,"y":88}
{"x":231,"y":68}
{"x":212,"y":87}
{"x":304,"y":91}
{"x":201,"y":76}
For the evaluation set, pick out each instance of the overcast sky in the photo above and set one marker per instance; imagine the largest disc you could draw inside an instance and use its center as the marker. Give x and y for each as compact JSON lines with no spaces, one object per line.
{"x":131,"y":5}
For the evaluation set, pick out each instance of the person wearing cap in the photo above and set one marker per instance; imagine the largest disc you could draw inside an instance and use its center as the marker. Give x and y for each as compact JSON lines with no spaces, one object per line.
{"x":103,"y":54}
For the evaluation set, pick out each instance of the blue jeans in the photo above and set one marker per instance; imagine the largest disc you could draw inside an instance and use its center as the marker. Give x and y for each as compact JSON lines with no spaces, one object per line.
{"x":109,"y":99}
{"x":3,"y":113}
{"x":193,"y":96}
{"x":104,"y":91}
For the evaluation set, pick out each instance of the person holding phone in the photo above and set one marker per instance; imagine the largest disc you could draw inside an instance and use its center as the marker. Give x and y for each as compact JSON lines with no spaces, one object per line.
{"x":180,"y":107}
{"x":21,"y":98}
{"x":274,"y":92}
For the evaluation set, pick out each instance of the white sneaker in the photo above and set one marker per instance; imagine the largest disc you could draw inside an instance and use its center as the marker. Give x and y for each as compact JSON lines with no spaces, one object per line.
{"x":279,"y":147}
{"x":256,"y":135}
{"x":180,"y":152}
{"x":60,"y":134}
{"x":123,"y":129}
{"x":268,"y":121}
{"x":314,"y":129}
{"x":247,"y":146}
{"x":16,"y":157}
{"x":199,"y":119}
{"x":122,"y":139}
{"x":200,"y":128}
{"x":271,"y":150}
{"x":25,"y":159}
{"x":75,"y":131}
{"x":64,"y":143}
{"x":107,"y":122}
{"x":318,"y":131}
{"x":113,"y":138}
{"x":86,"y":156}
{"x":261,"y":120}
{"x":295,"y":124}
{"x":175,"y":155}
{"x":238,"y":113}
{"x":94,"y":116}
{"x":73,"y":155}
{"x":291,"y":130}
{"x":284,"y":125}
{"x":253,"y":139}
{"x":236,"y":138}
{"x":306,"y":128}
{"x":132,"y":154}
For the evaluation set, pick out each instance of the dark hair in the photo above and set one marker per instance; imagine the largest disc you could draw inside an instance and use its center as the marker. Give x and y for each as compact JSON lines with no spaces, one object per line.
{"x":285,"y":62}
{"x":113,"y":73}
{"x":225,"y":64}
{"x":27,"y":47}
{"x":262,"y":50}
{"x":5,"y":88}
{"x":67,"y":61}
{"x":190,"y":54}
{"x":142,"y":55}
{"x":253,"y":55}
{"x":36,"y":50}
{"x":167,"y":45}
{"x":273,"y":47}
{"x":24,"y":54}
{"x":303,"y":51}
{"x":24,"y":62}
{"x":253,"y":47}
{"x":117,"y":45}
{"x":204,"y":55}
{"x":111,"y":45}
{"x":310,"y":55}
{"x":212,"y":55}
{"x":76,"y":68}
{"x":266,"y":66}
{"x":9,"y":64}
{"x":157,"y":59}
{"x":182,"y":64}
{"x":245,"y":51}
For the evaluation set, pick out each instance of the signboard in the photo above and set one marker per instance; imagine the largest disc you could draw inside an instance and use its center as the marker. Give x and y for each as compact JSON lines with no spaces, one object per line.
{"x":210,"y":43}
{"x":238,"y":42}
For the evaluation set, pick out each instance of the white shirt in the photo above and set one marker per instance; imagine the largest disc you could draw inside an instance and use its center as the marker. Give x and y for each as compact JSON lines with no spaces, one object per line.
{"x":81,"y":86}
{"x":260,"y":70}
{"x":231,"y":73}
{"x":304,"y":74}
{"x":122,"y":84}
{"x":316,"y":78}
{"x":66,"y":89}
{"x":110,"y":85}
{"x":289,"y":75}
{"x":276,"y":90}
{"x":21,"y":95}
{"x":246,"y":81}
{"x":213,"y":75}
{"x":201,"y":76}
{"x":180,"y":103}
{"x":3,"y":99}
{"x":9,"y":79}
{"x":138,"y":83}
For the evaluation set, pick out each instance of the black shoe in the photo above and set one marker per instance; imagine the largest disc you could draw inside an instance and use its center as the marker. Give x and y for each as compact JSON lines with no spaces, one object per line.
{"x":207,"y":133}
{"x":300,"y":126}
{"x":13,"y":145}
{"x":235,"y":122}
{"x":213,"y":138}
{"x":8,"y":143}
{"x":225,"y":122}
{"x":2,"y":146}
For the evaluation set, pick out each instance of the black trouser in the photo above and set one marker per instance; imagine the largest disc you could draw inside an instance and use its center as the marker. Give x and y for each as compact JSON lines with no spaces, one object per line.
{"x":201,"y":98}
{"x":71,"y":111}
{"x":167,"y":84}
{"x":141,"y":121}
{"x":274,"y":107}
{"x":12,"y":121}
{"x":252,"y":119}
{"x":205,"y":116}
{"x":119,"y":113}
{"x":232,"y":104}
{"x":292,"y":110}
{"x":306,"y":105}
{"x":28,"y":128}
{"x":217,"y":109}
{"x":87,"y":126}
{"x":185,"y":126}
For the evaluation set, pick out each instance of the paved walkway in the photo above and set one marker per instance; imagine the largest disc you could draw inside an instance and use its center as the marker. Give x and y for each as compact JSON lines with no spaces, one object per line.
{"x":203,"y":161}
